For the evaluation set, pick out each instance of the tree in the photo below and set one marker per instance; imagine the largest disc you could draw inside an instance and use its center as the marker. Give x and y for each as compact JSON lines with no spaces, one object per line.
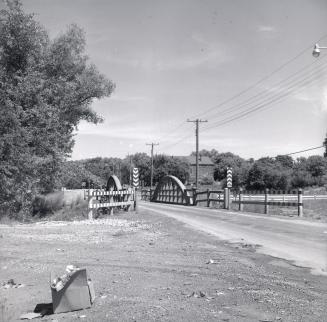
{"x":73,"y":174}
{"x":325,"y":145}
{"x":143,"y":162}
{"x":239,"y":166}
{"x":268,"y":173}
{"x":285,"y":161}
{"x":165,"y":165}
{"x":46,"y":89}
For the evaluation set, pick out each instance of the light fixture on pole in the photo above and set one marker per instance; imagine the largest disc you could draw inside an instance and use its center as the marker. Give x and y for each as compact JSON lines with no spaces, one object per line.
{"x":316,"y":50}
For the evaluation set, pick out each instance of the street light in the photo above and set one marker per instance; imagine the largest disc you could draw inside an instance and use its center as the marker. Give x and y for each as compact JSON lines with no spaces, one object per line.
{"x":316,"y":50}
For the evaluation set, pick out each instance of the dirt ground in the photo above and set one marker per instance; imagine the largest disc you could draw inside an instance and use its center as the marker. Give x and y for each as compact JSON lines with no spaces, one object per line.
{"x":147,"y":267}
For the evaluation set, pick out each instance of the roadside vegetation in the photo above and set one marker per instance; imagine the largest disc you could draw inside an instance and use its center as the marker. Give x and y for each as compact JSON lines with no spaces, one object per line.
{"x":46,"y":88}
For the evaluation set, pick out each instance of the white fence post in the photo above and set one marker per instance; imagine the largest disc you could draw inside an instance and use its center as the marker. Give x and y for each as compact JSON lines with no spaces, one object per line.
{"x":226,"y":198}
{"x":266,"y":201}
{"x":240,"y":200}
{"x":90,"y":200}
{"x":300,"y":203}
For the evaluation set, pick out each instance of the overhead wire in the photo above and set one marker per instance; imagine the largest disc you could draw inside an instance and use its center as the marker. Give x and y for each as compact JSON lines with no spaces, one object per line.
{"x":276,"y":87}
{"x":261,"y":80}
{"x":310,"y":149}
{"x":266,"y":103}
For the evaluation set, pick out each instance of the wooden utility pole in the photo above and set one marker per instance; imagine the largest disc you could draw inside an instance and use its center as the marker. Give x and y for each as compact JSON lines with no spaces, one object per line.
{"x":197,"y":121}
{"x":152,"y":145}
{"x":130,"y":169}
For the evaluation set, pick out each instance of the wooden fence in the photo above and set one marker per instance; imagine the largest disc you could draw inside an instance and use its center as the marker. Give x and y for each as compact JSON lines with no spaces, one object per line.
{"x":266,"y":198}
{"x":110,"y":199}
{"x":270,"y":198}
{"x":208,"y":196}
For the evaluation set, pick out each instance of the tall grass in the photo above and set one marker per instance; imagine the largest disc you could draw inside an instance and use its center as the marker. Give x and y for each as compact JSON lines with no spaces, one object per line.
{"x":45,"y":205}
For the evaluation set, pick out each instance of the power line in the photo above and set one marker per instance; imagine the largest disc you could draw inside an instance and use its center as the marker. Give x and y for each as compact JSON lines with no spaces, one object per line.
{"x":263,"y":94}
{"x":261,"y":80}
{"x":318,"y":147}
{"x":264,"y":104}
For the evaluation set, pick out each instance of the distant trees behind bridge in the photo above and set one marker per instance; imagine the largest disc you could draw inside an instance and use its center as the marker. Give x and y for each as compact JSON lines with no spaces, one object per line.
{"x":96,"y":171}
{"x":281,"y":173}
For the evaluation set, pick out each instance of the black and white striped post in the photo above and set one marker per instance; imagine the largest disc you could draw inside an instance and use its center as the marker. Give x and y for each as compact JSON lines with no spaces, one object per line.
{"x":229,"y":185}
{"x":229,"y":177}
{"x":136,"y":183}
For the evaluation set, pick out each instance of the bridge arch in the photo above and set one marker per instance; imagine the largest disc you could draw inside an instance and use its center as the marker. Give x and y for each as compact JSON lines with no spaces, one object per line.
{"x":171,"y":190}
{"x":113,"y":183}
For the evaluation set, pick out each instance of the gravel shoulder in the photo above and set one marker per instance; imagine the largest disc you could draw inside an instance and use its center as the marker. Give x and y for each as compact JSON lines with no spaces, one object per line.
{"x":148,"y":267}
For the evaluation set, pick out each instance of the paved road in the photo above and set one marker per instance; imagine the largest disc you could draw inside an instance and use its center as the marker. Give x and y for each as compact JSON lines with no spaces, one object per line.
{"x":303,"y":242}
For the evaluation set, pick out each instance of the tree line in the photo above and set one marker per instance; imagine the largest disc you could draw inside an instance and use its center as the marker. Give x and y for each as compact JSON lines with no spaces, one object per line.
{"x":280,"y":173}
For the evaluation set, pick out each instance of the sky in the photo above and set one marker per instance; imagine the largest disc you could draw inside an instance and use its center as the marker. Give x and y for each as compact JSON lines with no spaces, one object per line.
{"x":215,"y":60}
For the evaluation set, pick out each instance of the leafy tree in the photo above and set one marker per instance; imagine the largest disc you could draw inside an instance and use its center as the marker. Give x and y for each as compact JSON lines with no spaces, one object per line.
{"x":46,"y":89}
{"x":268,"y":173}
{"x":73,"y":174}
{"x":212,"y":154}
{"x":285,"y":161}
{"x":239,"y":166}
{"x":165,"y":165}
{"x":316,"y":166}
{"x":143,"y":162}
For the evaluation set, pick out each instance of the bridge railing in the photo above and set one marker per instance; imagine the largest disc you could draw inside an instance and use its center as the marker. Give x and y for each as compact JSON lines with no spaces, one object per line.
{"x":146,"y":194}
{"x":266,"y":198}
{"x":208,"y":196}
{"x":227,"y":197}
{"x":111,"y":199}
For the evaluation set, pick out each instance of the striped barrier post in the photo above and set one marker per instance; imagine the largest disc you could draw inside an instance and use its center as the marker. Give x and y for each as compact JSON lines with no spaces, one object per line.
{"x":135,"y":177}
{"x":229,"y":177}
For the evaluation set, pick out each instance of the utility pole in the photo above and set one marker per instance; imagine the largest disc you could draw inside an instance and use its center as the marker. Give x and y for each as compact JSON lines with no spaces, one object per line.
{"x":130,"y":169}
{"x":197,"y":121}
{"x":152,"y":145}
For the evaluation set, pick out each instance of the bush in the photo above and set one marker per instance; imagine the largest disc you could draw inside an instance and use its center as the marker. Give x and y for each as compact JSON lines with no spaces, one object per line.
{"x":206,"y":180}
{"x":49,"y":204}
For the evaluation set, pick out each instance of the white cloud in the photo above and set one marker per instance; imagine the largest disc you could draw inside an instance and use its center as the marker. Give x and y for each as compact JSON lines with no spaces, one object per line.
{"x":122,"y":98}
{"x":197,"y":52}
{"x":267,"y":28}
{"x":324,"y":100}
{"x":133,"y":130}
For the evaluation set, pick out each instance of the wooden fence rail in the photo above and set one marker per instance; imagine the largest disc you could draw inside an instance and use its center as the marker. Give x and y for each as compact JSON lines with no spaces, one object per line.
{"x":266,"y":198}
{"x":146,"y":194}
{"x":110,"y":199}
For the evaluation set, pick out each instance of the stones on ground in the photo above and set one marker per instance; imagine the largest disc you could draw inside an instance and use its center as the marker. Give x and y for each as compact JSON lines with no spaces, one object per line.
{"x":194,"y":275}
{"x":30,"y":316}
{"x":219,"y":293}
{"x":199,"y":294}
{"x":11,"y":284}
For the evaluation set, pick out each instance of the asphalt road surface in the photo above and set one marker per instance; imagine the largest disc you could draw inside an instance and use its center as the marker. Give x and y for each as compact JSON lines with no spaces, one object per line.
{"x":302,"y":242}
